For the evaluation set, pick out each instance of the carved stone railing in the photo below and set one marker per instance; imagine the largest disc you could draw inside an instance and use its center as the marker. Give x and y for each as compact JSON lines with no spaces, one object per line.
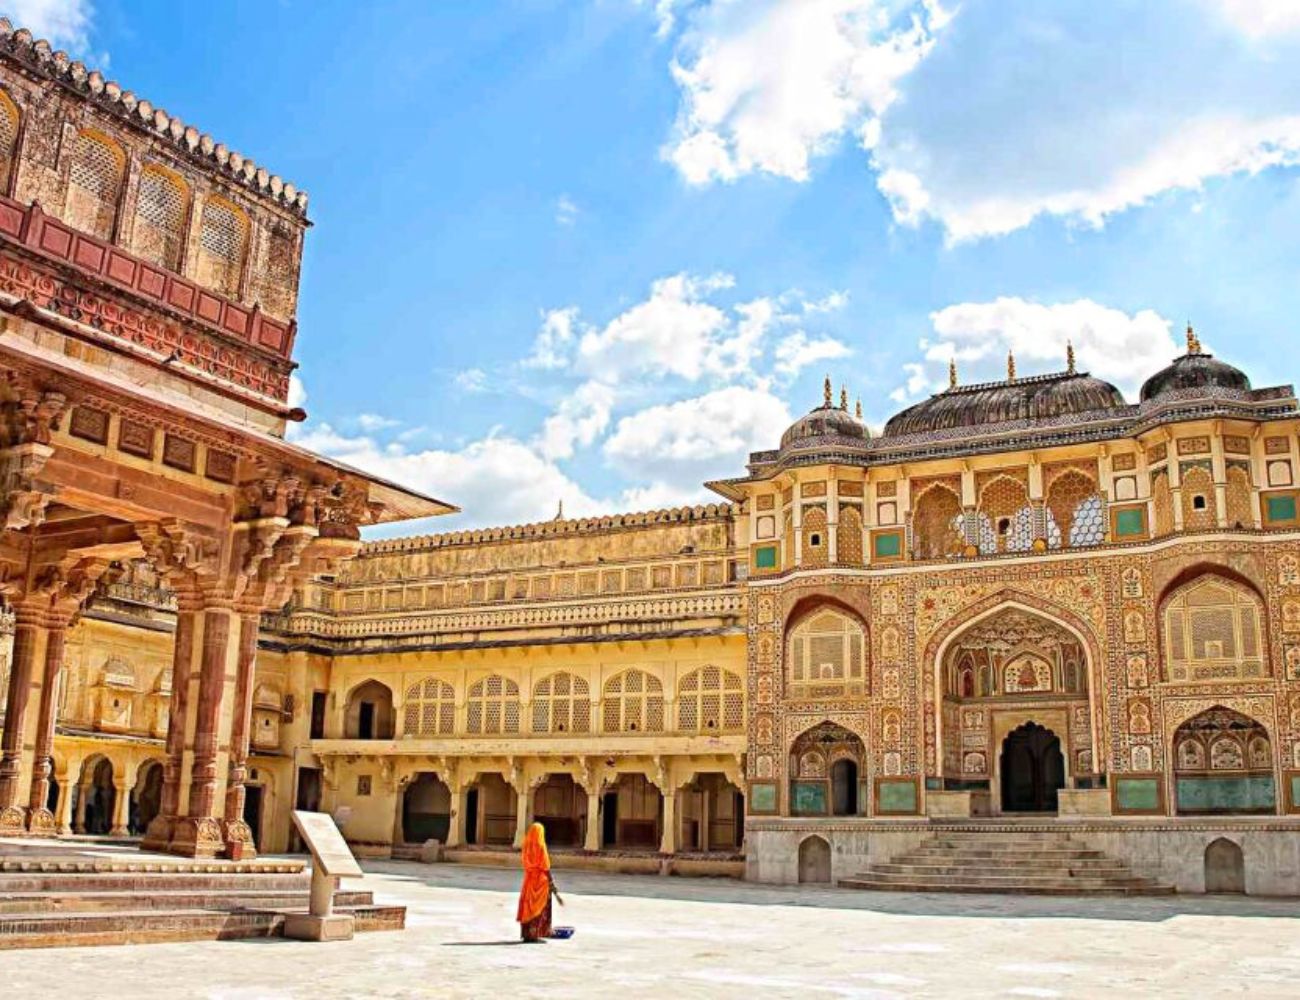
{"x":223,"y":338}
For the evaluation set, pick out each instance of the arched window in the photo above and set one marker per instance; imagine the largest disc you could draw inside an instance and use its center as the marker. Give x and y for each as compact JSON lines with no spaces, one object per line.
{"x":1162,"y":500}
{"x":161,"y":205}
{"x":634,"y":703}
{"x":1238,"y":493}
{"x":936,"y":524}
{"x":95,"y":173}
{"x":1214,"y":631}
{"x":9,"y":122}
{"x":1006,"y":520}
{"x":1224,"y":763}
{"x":430,"y":709}
{"x":1076,"y":513}
{"x":493,"y":706}
{"x":223,"y":237}
{"x":711,"y":700}
{"x":827,"y":656}
{"x":562,"y":704}
{"x":816,"y":542}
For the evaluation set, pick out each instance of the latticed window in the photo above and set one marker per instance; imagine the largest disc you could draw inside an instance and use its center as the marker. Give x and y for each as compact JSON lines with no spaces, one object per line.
{"x":562,"y":704}
{"x":1214,"y":631}
{"x":937,"y":524}
{"x":94,"y":184}
{"x":1006,"y":519}
{"x":430,"y":709}
{"x":711,"y":700}
{"x":1076,"y":515}
{"x":9,"y":119}
{"x":634,"y":703}
{"x":161,"y":205}
{"x":816,"y":544}
{"x":1200,"y":505}
{"x":492,"y":706}
{"x":1162,"y":499}
{"x":223,"y":236}
{"x":1238,"y":493}
{"x":827,"y":656}
{"x":848,"y":537}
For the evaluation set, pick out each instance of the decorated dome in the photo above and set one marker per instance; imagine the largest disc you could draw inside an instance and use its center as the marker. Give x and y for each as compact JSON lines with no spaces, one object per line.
{"x":1038,"y":397}
{"x":1195,"y":370}
{"x":828,"y":423}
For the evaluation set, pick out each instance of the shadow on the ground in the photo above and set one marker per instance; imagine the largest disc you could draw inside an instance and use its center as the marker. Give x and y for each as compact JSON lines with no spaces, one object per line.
{"x":719,"y":890}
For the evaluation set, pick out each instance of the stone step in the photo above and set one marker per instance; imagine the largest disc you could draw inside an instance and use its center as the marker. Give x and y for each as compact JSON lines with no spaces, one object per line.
{"x":993,"y":880}
{"x":1002,"y":846}
{"x":1101,"y":870}
{"x":136,"y":927}
{"x":26,"y":864}
{"x":1062,"y":888}
{"x":12,"y":904}
{"x":143,"y":882}
{"x":1010,"y":857}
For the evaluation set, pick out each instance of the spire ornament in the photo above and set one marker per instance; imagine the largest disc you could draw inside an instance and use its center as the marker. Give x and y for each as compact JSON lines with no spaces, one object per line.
{"x":1069,"y":357}
{"x":1193,"y":341}
{"x":952,"y":373}
{"x":1011,"y":367}
{"x":857,"y":409}
{"x":844,"y":398}
{"x":826,"y":392}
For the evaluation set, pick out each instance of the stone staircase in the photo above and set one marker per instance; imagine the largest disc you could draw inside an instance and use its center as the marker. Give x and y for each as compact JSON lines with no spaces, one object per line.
{"x":61,"y":901}
{"x":1005,"y":861}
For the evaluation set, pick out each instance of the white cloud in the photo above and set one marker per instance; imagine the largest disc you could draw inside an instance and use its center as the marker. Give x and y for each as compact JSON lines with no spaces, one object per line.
{"x":471,"y":380}
{"x":297,"y":392}
{"x":676,"y":444}
{"x":1261,"y":18}
{"x":495,"y":480}
{"x":797,"y":351}
{"x":768,"y":85}
{"x":579,"y":419}
{"x":63,"y":23}
{"x":1120,"y":347}
{"x":551,"y":347}
{"x":566,"y":211}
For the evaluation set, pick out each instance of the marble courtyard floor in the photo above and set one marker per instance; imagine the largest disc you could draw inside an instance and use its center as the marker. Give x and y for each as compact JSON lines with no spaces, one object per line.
{"x":646,"y":936}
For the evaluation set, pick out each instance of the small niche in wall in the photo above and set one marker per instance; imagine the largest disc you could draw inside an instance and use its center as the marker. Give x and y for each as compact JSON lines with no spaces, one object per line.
{"x":363,"y":784}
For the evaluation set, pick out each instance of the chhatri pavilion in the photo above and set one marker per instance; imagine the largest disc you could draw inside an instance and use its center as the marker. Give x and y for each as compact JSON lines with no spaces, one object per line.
{"x":1026,"y":605}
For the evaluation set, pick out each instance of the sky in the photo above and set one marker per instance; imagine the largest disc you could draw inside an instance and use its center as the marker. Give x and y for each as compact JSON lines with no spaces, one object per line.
{"x":597,"y":251}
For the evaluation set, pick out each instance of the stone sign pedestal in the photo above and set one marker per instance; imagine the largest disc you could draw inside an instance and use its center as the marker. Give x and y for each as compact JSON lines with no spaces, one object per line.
{"x":330,"y":860}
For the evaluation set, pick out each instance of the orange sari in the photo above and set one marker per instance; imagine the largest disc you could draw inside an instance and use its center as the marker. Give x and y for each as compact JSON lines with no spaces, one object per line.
{"x":534,"y":914}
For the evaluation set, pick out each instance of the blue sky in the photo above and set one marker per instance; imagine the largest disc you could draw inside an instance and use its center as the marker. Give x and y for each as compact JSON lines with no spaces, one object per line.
{"x":598,"y":250}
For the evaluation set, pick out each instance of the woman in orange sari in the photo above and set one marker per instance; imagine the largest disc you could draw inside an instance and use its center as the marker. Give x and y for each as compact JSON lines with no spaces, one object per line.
{"x":534,"y":914}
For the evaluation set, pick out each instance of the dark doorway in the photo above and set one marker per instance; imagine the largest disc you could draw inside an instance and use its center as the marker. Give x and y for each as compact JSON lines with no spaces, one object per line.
{"x":471,"y":816}
{"x":366,"y":721}
{"x":844,"y":788}
{"x":609,"y":820}
{"x":318,"y":699}
{"x":1033,"y":769}
{"x":52,"y":800}
{"x":148,"y":797}
{"x":307,"y":799}
{"x":253,"y":812}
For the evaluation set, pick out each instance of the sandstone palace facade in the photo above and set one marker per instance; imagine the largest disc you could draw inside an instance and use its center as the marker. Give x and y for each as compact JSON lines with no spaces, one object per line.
{"x":1028,"y":598}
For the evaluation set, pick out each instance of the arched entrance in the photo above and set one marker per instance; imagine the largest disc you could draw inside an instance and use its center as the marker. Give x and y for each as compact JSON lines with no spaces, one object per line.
{"x":490,"y":811}
{"x":1033,"y":769}
{"x":814,"y":860}
{"x":426,"y":809}
{"x":712,"y":814}
{"x":369,"y":713}
{"x":96,"y":797}
{"x":1223,"y":763}
{"x":1225,"y":867}
{"x":146,"y":798}
{"x":825,"y":769}
{"x":1015,"y":716}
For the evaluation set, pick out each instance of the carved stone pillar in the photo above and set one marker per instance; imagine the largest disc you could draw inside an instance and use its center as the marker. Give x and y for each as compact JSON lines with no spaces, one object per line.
{"x":62,"y":819}
{"x":199,"y":832}
{"x":40,"y":820}
{"x":159,"y":834}
{"x":668,"y":844}
{"x":121,"y":809}
{"x":456,"y":829}
{"x":83,"y":801}
{"x":27,"y":637}
{"x":236,"y":830}
{"x":592,"y":841}
{"x":522,"y":795}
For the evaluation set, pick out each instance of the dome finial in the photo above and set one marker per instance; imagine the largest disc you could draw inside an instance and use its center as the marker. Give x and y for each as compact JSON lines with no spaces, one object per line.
{"x":826,"y":391}
{"x":952,"y":373}
{"x":844,"y":398}
{"x":857,"y":410}
{"x":1011,"y":366}
{"x":1069,"y":357}
{"x":1193,"y":341}
{"x":559,"y":514}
